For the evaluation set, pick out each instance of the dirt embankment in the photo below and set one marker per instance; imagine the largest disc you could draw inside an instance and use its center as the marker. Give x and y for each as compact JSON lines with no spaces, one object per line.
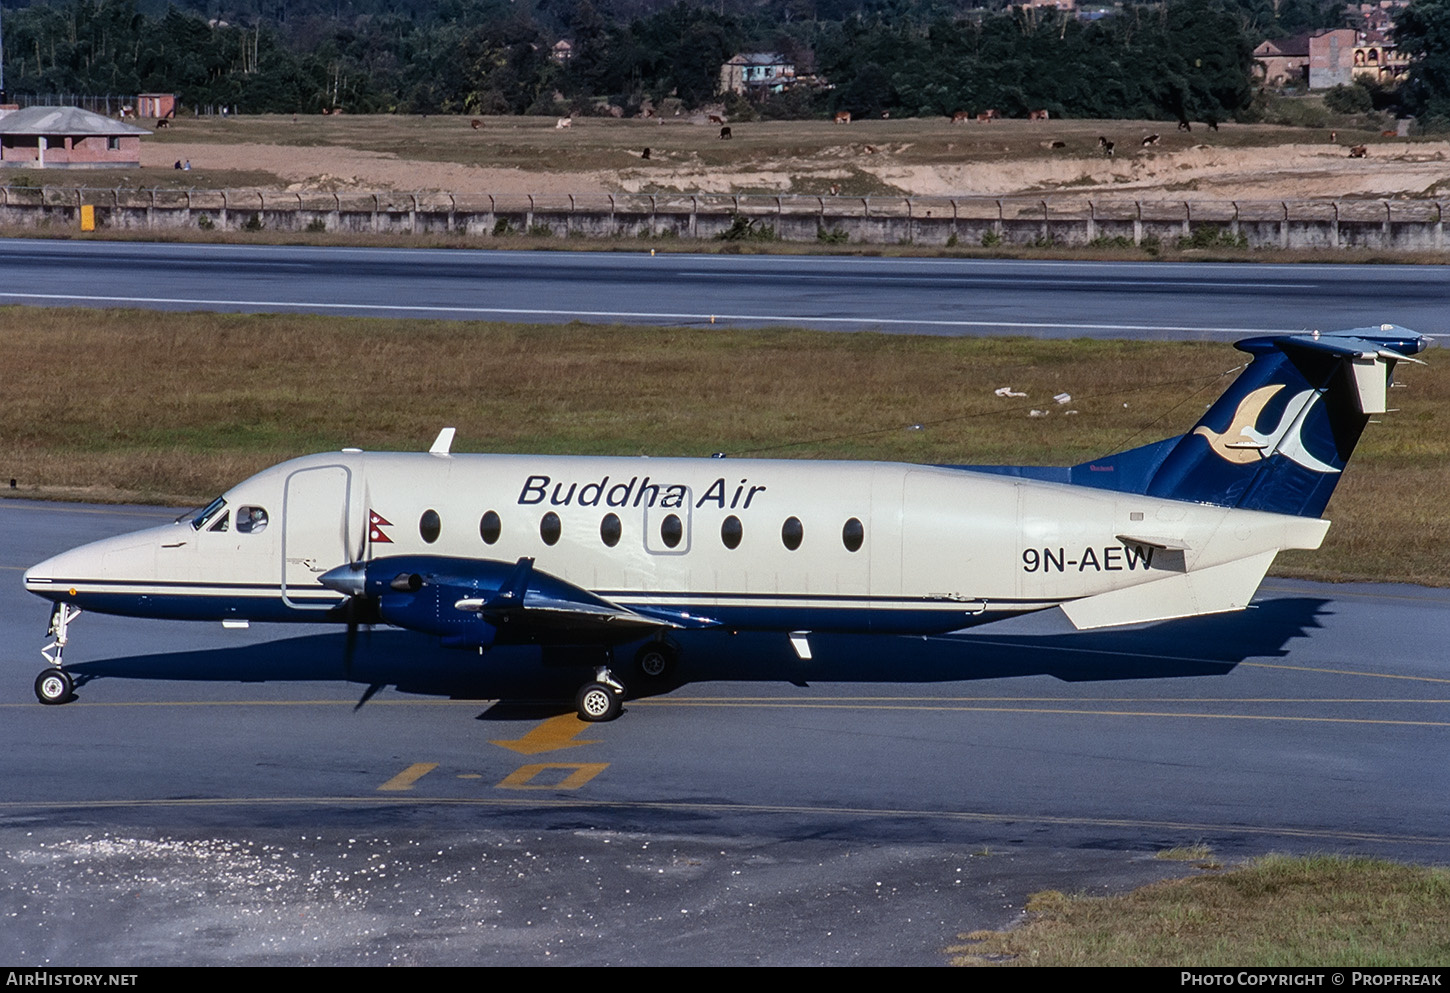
{"x":853,"y":164}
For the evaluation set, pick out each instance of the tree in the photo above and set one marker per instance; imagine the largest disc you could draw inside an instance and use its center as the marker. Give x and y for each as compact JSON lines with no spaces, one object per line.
{"x":1422,"y":32}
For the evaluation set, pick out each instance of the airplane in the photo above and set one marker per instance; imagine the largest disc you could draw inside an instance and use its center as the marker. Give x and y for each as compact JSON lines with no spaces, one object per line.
{"x":598,"y":553}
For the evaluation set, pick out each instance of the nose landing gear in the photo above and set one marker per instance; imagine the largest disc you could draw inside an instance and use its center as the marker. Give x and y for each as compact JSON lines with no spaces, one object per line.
{"x":55,"y":685}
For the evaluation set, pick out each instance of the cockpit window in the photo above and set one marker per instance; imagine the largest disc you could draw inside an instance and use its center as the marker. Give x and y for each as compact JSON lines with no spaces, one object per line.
{"x":198,"y":521}
{"x":221,"y":522}
{"x":251,"y":520}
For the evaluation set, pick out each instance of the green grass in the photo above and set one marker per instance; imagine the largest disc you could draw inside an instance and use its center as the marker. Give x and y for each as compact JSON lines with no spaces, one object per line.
{"x":1280,"y":912}
{"x":128,"y":405}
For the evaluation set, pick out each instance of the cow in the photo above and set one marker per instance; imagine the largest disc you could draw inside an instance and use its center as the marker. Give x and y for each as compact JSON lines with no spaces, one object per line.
{"x":1105,"y":145}
{"x":843,"y":117}
{"x":716,"y":119}
{"x":1389,"y":134}
{"x":870,"y":149}
{"x":162,"y":122}
{"x":563,"y":122}
{"x":1057,"y":144}
{"x":644,"y":154}
{"x":1334,"y":137}
{"x":1184,"y":126}
{"x":1152,"y":139}
{"x":1037,"y":115}
{"x":725,"y":133}
{"x":985,"y":117}
{"x":1358,"y":152}
{"x":961,"y":117}
{"x":475,"y":124}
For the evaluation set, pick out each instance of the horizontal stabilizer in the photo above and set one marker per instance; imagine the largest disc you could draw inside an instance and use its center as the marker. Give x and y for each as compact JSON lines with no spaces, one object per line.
{"x":1214,"y":590}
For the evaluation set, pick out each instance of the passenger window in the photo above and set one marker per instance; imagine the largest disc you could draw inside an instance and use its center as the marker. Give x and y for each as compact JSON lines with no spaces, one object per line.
{"x":731,"y":531}
{"x":671,"y":530}
{"x":251,"y":520}
{"x":549,"y":528}
{"x":489,"y":528}
{"x":852,"y":535}
{"x":610,"y":530}
{"x":429,"y":525}
{"x":791,"y":533}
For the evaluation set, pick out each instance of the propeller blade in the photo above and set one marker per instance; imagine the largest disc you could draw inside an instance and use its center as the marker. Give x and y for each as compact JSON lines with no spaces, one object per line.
{"x":367,"y":695}
{"x":349,"y":645}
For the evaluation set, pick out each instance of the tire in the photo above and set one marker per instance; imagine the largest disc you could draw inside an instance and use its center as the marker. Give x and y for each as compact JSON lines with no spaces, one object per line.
{"x":655,"y":661}
{"x":596,"y":702}
{"x":54,"y":686}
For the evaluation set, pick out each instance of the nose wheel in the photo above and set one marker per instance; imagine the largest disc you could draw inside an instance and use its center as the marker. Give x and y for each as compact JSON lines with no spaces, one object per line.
{"x":55,"y":685}
{"x":602,"y":699}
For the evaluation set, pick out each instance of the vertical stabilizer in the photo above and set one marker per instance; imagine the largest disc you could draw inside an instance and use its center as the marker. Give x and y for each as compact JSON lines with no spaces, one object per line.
{"x":1280,"y":436}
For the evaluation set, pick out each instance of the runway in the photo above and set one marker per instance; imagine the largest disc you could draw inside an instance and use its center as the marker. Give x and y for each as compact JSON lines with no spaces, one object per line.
{"x":925,"y":296}
{"x":860,"y":808}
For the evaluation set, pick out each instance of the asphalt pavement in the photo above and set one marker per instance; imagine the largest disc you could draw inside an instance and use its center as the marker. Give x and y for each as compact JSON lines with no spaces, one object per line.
{"x":223,"y":796}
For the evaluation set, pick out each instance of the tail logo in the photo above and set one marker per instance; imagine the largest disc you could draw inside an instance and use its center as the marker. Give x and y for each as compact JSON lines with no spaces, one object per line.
{"x":1243,"y":444}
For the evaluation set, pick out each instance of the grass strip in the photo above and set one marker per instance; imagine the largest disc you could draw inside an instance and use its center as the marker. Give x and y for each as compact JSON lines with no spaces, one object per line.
{"x":1326,"y":911}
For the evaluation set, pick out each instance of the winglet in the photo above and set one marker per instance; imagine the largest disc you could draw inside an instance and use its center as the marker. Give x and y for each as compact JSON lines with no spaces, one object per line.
{"x":443,"y":443}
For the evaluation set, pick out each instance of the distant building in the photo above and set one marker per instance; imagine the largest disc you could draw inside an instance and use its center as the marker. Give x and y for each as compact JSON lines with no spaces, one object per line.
{"x":1283,"y":61}
{"x":756,"y":73}
{"x":157,"y":105}
{"x":562,"y":51}
{"x":67,"y":138}
{"x":1340,"y":56}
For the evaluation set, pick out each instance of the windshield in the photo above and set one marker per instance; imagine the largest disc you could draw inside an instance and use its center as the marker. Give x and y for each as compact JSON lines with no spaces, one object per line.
{"x":200,"y":517}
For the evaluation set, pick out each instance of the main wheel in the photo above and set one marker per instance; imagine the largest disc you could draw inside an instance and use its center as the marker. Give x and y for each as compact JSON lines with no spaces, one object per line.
{"x":54,"y":686}
{"x":656,"y":660}
{"x":597,"y":702}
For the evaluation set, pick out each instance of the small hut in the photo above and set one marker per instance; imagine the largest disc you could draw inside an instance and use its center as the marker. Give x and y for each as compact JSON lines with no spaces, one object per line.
{"x":68,"y":138}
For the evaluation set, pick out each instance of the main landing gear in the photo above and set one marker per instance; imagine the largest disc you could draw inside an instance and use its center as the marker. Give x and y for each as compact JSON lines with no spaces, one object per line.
{"x":55,"y":685}
{"x":603,"y":699}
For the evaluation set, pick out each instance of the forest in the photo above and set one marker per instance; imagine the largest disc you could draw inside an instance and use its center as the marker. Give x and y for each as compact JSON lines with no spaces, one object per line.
{"x":1175,"y":59}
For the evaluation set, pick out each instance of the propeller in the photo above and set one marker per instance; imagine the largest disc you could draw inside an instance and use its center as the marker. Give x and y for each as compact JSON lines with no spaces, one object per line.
{"x":350,"y":579}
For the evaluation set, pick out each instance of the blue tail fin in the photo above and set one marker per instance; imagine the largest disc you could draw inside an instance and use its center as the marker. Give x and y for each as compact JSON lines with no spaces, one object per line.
{"x":1279,"y":437}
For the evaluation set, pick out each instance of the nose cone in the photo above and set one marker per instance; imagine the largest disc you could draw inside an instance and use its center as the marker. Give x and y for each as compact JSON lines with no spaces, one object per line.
{"x":104,"y":564}
{"x":52,"y":578}
{"x":34,"y":574}
{"x":350,"y":579}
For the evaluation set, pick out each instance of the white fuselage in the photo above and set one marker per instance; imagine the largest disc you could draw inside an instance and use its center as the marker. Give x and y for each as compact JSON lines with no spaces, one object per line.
{"x":881,"y":546}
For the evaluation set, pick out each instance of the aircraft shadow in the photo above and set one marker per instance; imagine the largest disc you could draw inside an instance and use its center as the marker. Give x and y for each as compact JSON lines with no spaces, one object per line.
{"x":414,"y":663}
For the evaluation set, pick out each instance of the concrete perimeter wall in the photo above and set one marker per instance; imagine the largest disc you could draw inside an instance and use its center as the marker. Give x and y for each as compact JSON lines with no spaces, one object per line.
{"x":1068,"y":221}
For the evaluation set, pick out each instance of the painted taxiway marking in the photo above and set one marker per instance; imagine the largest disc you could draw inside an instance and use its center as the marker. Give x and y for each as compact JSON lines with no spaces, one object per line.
{"x":579,"y":773}
{"x":1345,"y":672}
{"x":645,"y":315}
{"x":1080,"y":711}
{"x":409,"y":776}
{"x":551,"y":735}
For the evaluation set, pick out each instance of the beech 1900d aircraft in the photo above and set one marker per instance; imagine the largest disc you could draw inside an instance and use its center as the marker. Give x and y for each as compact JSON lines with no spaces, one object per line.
{"x":484,"y":550}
